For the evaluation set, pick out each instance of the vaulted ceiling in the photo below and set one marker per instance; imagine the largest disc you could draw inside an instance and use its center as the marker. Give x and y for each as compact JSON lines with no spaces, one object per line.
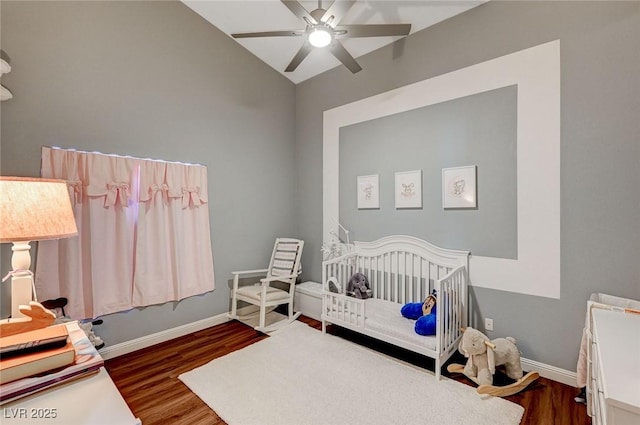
{"x":242,"y":16}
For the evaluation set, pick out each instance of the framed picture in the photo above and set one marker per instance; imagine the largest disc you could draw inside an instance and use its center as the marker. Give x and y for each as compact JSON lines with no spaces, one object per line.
{"x":409,"y":189}
{"x":459,"y":187}
{"x":368,"y":192}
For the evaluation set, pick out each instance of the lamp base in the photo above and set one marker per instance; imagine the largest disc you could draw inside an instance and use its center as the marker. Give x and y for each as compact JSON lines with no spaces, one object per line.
{"x":20,"y":294}
{"x":21,"y":277}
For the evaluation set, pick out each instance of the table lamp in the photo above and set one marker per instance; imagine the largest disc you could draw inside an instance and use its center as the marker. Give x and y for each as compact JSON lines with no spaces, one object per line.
{"x":31,"y":209}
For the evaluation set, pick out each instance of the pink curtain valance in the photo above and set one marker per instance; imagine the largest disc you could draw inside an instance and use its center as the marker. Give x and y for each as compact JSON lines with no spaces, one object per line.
{"x":191,"y":196}
{"x":173,"y":181}
{"x":75,"y":191}
{"x":114,"y":192}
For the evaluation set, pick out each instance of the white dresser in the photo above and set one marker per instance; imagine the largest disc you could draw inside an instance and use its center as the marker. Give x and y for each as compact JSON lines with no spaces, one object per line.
{"x":615,"y":368}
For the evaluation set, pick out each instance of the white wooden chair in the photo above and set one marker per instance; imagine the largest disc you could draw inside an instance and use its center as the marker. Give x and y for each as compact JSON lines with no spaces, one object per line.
{"x":283,"y":267}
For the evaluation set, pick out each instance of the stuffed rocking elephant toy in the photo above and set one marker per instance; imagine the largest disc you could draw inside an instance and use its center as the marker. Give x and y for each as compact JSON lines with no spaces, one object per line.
{"x":484,"y":355}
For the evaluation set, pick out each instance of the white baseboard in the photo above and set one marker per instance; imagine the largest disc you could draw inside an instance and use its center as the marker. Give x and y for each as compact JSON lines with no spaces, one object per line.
{"x":162,"y":336}
{"x":550,"y":372}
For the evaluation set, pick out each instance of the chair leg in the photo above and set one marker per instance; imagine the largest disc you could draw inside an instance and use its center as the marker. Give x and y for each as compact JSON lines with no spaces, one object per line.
{"x":263,"y":314}
{"x":263,"y":307}
{"x":234,"y":298}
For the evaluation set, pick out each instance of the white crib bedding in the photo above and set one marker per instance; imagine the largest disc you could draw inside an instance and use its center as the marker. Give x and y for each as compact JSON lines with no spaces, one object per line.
{"x":384,"y":317}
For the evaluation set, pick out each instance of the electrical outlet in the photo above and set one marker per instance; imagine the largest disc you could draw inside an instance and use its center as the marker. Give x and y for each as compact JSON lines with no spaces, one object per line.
{"x":488,"y":324}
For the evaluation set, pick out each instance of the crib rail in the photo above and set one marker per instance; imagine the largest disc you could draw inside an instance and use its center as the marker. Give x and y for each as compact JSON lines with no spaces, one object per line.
{"x":340,"y":268}
{"x":337,"y":307}
{"x":343,"y":310}
{"x":400,"y":276}
{"x":396,"y":276}
{"x":451,"y":314}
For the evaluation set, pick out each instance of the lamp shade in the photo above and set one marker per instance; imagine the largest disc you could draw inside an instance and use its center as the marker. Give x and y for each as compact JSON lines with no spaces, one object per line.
{"x":33,"y":209}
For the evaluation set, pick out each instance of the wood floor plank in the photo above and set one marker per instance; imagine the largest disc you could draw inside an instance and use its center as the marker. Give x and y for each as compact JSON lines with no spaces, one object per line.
{"x":148,"y":378}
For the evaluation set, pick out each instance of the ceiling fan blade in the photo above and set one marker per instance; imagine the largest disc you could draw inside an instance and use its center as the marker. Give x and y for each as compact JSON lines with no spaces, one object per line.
{"x":299,"y":10}
{"x":268,"y":34}
{"x":299,"y":57}
{"x":343,"y":56}
{"x":338,"y":9}
{"x":374,"y":30}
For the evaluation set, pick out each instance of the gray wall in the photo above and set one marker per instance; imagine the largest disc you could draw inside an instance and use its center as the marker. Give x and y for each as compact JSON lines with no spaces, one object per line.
{"x":600,"y":149}
{"x":474,"y":130}
{"x":154,"y":79}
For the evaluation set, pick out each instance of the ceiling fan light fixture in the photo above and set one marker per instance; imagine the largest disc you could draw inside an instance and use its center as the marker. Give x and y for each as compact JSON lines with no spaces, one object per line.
{"x":323,"y":29}
{"x":320,"y":37}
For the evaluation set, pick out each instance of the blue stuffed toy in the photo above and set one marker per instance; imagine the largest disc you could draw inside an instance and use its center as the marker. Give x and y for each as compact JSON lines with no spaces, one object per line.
{"x":423,"y":313}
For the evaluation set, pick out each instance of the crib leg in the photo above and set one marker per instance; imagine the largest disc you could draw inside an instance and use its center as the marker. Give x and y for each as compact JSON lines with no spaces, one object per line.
{"x":324,"y":327}
{"x":438,"y":370}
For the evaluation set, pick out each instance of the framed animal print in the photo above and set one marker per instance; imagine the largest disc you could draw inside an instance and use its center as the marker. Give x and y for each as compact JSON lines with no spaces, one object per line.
{"x":368,"y":192}
{"x":409,"y":189}
{"x":459,"y":187}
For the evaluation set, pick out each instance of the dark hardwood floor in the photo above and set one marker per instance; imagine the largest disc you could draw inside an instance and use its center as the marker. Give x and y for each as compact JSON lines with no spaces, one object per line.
{"x":148,"y":378}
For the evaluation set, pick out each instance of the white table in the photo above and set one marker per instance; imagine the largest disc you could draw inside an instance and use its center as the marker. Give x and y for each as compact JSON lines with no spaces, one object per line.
{"x":93,"y":400}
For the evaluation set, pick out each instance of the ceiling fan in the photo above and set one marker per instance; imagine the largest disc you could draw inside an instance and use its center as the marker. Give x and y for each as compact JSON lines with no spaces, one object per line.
{"x":323,"y":30}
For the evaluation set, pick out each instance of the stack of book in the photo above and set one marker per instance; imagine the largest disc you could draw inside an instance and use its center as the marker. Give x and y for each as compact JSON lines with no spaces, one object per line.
{"x":36,"y":351}
{"x":36,"y":370}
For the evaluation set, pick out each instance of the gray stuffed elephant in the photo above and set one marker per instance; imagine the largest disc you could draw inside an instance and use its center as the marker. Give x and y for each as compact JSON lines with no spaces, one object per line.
{"x":358,"y":286}
{"x":484,"y":355}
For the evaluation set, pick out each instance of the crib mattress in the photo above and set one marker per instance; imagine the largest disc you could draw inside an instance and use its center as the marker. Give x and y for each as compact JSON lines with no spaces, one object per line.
{"x":384,"y":317}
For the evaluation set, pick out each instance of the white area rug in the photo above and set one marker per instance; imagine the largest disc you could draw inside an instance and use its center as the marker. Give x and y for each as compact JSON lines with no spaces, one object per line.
{"x":298,"y":376}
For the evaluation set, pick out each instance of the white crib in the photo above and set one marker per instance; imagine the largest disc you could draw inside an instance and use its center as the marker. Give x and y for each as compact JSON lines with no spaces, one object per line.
{"x":400,"y":269}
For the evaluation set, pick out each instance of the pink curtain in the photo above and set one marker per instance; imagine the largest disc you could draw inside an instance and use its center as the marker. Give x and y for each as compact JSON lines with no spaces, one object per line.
{"x":131,"y":249}
{"x":173,"y":250}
